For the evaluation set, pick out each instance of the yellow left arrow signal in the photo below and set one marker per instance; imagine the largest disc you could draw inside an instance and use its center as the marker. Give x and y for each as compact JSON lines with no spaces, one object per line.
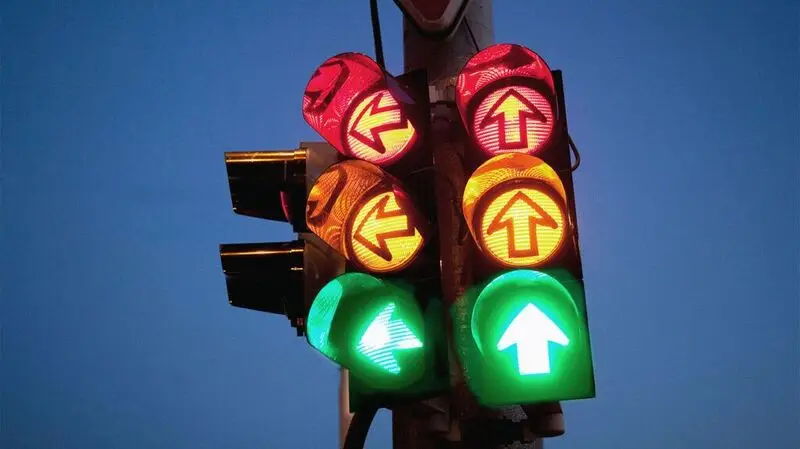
{"x":383,"y":236}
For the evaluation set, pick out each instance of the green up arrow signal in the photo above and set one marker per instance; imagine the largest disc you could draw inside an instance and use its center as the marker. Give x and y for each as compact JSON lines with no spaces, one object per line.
{"x":527,"y":340}
{"x":532,"y":331}
{"x":384,"y":336}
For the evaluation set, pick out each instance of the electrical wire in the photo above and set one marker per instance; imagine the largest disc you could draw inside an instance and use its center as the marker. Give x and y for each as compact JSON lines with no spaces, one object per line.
{"x":376,"y":33}
{"x":471,"y":35}
{"x":359,"y":428}
{"x":577,"y":154}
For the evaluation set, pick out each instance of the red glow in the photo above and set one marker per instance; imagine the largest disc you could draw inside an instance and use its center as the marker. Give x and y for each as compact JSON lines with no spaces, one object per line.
{"x":505,"y":95}
{"x":378,"y":129}
{"x":285,"y":206}
{"x":359,"y":109}
{"x":513,"y":119}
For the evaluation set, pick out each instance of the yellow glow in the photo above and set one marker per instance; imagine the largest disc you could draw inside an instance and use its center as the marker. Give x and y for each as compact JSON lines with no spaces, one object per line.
{"x":513,"y":119}
{"x":246,"y":157}
{"x":383,"y":236}
{"x":514,"y":205}
{"x":522,"y":227}
{"x":378,"y":130}
{"x":335,"y":194}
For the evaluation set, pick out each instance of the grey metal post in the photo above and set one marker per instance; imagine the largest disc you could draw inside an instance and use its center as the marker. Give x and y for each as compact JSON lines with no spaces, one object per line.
{"x":345,"y":416}
{"x":420,"y":426}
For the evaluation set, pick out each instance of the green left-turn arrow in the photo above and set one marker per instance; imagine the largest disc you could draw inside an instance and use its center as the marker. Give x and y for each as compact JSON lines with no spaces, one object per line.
{"x":385,"y":335}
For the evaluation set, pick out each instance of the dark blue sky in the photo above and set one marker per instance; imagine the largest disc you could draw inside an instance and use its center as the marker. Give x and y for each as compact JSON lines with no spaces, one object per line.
{"x":116,"y":331}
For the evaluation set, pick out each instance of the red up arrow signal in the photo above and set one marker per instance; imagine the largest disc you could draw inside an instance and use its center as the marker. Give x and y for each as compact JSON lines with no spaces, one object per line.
{"x":509,"y":103}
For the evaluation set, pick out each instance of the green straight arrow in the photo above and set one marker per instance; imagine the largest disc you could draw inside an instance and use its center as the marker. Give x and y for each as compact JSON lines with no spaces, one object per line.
{"x":532,"y":331}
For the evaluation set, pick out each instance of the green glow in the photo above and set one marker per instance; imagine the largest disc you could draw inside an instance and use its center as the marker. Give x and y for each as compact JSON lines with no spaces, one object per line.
{"x":531,"y":332}
{"x":384,"y":336}
{"x":320,"y":316}
{"x":523,"y":338}
{"x":326,"y":303}
{"x":371,"y":327}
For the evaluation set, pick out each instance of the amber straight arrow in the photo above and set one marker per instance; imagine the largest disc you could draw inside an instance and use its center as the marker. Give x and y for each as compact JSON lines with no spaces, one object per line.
{"x":510,"y":219}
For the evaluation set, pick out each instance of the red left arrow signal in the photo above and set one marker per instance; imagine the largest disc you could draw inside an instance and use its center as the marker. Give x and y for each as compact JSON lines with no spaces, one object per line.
{"x":512,"y":102}
{"x":374,"y":120}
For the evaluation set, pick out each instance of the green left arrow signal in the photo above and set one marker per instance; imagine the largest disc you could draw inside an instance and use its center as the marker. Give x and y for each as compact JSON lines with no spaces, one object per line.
{"x":532,"y":332}
{"x":385,"y":335}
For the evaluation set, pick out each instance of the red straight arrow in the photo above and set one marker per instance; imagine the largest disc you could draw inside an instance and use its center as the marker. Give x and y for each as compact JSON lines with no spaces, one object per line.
{"x":529,"y":111}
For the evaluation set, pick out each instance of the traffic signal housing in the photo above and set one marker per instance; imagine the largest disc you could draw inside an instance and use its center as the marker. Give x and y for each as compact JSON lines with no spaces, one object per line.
{"x":277,"y":277}
{"x":371,"y":326}
{"x":365,"y":214}
{"x":525,"y":338}
{"x":379,"y":318}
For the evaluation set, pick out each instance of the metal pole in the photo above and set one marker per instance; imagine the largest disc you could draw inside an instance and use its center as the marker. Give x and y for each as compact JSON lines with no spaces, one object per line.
{"x":467,"y":425}
{"x":344,"y":405}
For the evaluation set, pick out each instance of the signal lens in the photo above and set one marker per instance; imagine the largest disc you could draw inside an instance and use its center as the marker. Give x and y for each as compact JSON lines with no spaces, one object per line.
{"x":515,"y":207}
{"x":363,"y":213}
{"x":506,"y":97}
{"x":359,"y":109}
{"x":525,"y":339}
{"x":372,"y":327}
{"x":379,"y":130}
{"x":513,"y":119}
{"x":383,"y":236}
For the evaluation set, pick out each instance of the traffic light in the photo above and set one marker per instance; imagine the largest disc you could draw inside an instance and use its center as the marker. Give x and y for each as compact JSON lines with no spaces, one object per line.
{"x":526,"y":338}
{"x":362,"y":280}
{"x":364,"y":112}
{"x":277,"y":277}
{"x":365,"y":214}
{"x":379,"y":319}
{"x":374,"y":328}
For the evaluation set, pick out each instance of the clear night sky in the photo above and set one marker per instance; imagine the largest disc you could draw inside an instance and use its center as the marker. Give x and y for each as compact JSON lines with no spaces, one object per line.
{"x":116,"y":331}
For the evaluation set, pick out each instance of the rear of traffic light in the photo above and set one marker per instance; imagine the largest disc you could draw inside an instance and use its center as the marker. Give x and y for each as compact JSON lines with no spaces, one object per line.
{"x":377,"y":320}
{"x":247,"y":267}
{"x":277,"y":277}
{"x":527,"y":339}
{"x":268,"y":184}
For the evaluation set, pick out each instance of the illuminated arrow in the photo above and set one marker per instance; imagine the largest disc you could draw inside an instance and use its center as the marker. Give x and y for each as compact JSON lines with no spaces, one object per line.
{"x":519,"y":213}
{"x":374,"y":236}
{"x":384,"y":336}
{"x":369,"y":125}
{"x":512,"y":102}
{"x":532,"y":331}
